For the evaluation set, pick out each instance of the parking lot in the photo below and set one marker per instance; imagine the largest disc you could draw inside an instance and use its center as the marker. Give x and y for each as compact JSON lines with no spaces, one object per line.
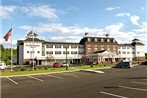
{"x":113,"y":83}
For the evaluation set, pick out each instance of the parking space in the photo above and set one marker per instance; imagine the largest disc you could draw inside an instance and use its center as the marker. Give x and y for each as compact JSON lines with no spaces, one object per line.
{"x":41,"y":78}
{"x":114,"y":83}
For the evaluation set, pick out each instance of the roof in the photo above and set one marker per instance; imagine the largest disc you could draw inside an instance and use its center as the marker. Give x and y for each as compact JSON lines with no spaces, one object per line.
{"x":125,"y":44}
{"x":46,"y":42}
{"x":85,"y":39}
{"x":31,"y":39}
{"x":135,"y":39}
{"x":137,"y":43}
{"x":100,"y":51}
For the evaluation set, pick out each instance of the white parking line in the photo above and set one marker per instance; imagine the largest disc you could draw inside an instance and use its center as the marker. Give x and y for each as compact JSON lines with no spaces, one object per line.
{"x":69,"y":75}
{"x":35,"y":78}
{"x":54,"y":76}
{"x":113,"y":94}
{"x":12,"y":80}
{"x":143,"y":79}
{"x":140,"y":83}
{"x":133,"y":88}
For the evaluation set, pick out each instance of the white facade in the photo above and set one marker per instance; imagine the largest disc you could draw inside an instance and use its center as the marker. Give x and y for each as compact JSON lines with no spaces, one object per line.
{"x":131,"y":51}
{"x":41,"y":50}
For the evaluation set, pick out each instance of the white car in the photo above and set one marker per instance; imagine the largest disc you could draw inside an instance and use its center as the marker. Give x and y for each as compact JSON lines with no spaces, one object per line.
{"x":64,"y":64}
{"x":2,"y":65}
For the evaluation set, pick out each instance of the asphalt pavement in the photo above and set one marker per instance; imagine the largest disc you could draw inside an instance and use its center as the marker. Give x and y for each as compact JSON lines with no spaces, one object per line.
{"x":112,"y":83}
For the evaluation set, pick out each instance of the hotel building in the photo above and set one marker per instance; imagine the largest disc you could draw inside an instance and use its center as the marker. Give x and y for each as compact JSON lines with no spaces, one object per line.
{"x":89,"y":49}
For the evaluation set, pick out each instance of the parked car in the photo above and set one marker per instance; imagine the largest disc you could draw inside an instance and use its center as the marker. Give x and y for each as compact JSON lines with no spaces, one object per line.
{"x":144,"y":63}
{"x":64,"y":64}
{"x":2,"y":65}
{"x":124,"y":64}
{"x":56,"y":65}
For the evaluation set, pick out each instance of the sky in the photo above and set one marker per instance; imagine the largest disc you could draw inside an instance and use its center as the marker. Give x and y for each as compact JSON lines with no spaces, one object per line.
{"x":69,"y":20}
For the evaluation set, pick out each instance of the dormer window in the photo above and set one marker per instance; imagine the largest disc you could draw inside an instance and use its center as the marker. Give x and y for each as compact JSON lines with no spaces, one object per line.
{"x":108,"y":40}
{"x":89,"y":39}
{"x":95,"y":40}
{"x":102,"y":40}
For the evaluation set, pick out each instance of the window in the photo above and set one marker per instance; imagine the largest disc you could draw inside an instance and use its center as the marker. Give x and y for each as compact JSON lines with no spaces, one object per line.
{"x":74,"y":46}
{"x":38,"y":51}
{"x":119,"y":52}
{"x":128,"y":47}
{"x":81,"y":46}
{"x":73,"y":52}
{"x":89,"y":39}
{"x":123,"y":52}
{"x":89,"y":46}
{"x":102,"y":40}
{"x":64,"y":46}
{"x":108,"y":47}
{"x":95,"y":48}
{"x":114,"y":47}
{"x":81,"y":52}
{"x":57,"y":46}
{"x":27,"y":51}
{"x":64,"y":52}
{"x":57,"y":52}
{"x":128,"y":52}
{"x":49,"y":52}
{"x":95,"y":39}
{"x":89,"y":52}
{"x":49,"y":46}
{"x":123,"y":47}
{"x":102,"y":47}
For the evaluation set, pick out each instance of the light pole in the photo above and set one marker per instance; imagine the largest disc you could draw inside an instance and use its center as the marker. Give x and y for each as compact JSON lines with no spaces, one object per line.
{"x":66,"y":59}
{"x":138,"y":57}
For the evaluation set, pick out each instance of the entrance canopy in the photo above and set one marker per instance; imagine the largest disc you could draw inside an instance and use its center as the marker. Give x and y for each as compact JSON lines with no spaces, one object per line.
{"x":103,"y":53}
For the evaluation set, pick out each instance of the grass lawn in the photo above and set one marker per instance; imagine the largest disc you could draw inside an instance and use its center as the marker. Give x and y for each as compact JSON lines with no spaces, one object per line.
{"x":49,"y":70}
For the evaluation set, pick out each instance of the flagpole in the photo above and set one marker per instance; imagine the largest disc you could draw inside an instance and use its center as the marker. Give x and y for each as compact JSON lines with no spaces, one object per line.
{"x":11,"y":49}
{"x":33,"y":47}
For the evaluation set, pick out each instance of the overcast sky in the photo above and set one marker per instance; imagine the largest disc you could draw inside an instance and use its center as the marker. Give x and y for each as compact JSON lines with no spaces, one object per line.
{"x":68,"y":20}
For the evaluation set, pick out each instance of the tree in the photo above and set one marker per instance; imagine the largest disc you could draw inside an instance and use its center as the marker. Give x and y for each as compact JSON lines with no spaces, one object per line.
{"x":5,"y":54}
{"x":145,"y":55}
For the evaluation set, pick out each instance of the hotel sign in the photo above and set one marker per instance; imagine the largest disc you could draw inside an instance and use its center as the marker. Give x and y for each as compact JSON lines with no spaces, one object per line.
{"x":32,"y":46}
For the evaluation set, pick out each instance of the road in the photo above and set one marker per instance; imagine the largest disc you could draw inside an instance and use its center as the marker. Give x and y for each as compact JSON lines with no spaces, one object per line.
{"x":113,"y":83}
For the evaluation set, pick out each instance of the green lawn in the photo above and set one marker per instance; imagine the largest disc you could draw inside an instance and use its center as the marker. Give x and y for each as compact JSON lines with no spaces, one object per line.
{"x":49,"y":70}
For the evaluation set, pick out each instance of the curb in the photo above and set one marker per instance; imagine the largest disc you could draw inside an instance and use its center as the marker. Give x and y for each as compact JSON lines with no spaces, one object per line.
{"x":55,"y":72}
{"x":93,"y":71}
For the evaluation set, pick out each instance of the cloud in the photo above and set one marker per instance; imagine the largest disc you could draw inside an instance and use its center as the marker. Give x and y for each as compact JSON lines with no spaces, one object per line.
{"x":143,"y":28}
{"x":142,"y":8}
{"x":43,"y":11}
{"x":59,"y":28}
{"x":6,"y":11}
{"x":123,"y":14}
{"x":114,"y":28}
{"x":75,"y":39}
{"x":134,"y":20}
{"x":112,"y":8}
{"x":74,"y":33}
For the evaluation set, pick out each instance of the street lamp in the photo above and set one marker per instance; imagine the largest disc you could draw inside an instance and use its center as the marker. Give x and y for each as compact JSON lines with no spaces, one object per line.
{"x":138,"y":57}
{"x":66,"y":59}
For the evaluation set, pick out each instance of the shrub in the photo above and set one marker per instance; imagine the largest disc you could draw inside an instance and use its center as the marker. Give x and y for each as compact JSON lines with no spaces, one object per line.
{"x":23,"y":69}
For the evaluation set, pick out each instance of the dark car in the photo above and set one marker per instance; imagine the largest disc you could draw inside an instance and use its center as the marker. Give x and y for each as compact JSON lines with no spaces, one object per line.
{"x":124,"y":64}
{"x":56,"y":65}
{"x":144,"y":63}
